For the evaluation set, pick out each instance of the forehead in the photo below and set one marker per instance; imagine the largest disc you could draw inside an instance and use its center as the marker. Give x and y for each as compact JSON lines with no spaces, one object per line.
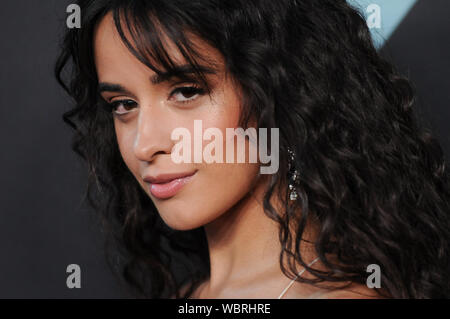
{"x":110,"y":51}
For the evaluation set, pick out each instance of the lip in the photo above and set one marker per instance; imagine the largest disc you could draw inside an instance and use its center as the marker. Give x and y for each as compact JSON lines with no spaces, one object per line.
{"x":167,"y":185}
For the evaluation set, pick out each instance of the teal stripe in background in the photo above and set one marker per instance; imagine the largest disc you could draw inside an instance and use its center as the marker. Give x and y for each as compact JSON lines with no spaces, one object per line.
{"x":392,"y":13}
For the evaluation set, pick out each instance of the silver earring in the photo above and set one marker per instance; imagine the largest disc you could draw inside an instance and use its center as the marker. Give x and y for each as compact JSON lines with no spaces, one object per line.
{"x":293,"y":175}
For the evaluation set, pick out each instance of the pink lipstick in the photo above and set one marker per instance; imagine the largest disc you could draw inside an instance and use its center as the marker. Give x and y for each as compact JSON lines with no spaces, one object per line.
{"x":166,"y":186}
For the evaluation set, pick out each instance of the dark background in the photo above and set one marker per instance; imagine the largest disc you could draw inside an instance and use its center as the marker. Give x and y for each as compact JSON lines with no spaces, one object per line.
{"x":44,"y":224}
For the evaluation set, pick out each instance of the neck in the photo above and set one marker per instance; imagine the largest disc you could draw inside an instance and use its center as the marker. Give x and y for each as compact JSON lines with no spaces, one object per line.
{"x":244,"y":247}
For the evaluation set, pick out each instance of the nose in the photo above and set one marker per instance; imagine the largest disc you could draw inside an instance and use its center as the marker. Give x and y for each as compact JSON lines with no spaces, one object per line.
{"x":152,"y":135}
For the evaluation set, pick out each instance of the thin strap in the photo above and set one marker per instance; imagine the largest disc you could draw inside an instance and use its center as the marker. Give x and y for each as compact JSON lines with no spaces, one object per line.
{"x":298,"y":275}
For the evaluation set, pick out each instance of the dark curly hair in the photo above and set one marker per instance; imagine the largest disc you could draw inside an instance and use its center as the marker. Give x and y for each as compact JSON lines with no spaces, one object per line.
{"x":371,"y":175}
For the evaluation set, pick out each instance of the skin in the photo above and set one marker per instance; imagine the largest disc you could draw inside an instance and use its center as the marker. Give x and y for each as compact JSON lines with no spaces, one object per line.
{"x":224,"y":198}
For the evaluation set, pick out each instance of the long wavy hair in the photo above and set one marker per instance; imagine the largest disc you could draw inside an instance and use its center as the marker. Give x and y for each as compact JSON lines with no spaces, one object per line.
{"x":374,"y":179}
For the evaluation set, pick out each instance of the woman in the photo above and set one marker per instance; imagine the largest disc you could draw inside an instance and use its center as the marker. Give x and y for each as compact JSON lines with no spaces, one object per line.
{"x":360,"y":183}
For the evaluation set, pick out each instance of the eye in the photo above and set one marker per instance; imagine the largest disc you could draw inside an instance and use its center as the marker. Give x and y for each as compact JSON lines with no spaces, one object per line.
{"x":121,"y":107}
{"x":186,"y":94}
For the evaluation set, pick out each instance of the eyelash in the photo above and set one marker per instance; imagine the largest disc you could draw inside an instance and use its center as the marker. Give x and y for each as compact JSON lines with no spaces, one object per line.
{"x":194,"y":90}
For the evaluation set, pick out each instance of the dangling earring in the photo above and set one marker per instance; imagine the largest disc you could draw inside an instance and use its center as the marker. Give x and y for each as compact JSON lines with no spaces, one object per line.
{"x":293,"y":175}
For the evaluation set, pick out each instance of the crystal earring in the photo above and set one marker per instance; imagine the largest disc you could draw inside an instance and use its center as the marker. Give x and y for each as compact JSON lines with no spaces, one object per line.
{"x":293,"y":175}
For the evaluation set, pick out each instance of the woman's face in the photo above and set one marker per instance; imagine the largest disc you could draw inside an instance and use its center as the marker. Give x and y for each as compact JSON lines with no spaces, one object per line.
{"x":146,"y":113}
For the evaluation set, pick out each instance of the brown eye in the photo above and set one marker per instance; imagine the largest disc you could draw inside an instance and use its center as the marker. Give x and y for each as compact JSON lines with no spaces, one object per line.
{"x":187,"y":93}
{"x":122,"y":106}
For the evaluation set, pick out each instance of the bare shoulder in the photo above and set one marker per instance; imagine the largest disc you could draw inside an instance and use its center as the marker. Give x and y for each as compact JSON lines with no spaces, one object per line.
{"x":355,"y":291}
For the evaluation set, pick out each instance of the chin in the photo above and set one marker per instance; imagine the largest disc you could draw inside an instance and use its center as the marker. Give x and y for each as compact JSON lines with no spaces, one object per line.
{"x":181,"y":218}
{"x":177,"y":225}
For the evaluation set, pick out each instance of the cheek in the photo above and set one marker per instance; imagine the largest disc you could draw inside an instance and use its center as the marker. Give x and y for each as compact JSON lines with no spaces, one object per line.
{"x":125,"y":141}
{"x":230,"y":182}
{"x":218,"y":186}
{"x":224,"y":184}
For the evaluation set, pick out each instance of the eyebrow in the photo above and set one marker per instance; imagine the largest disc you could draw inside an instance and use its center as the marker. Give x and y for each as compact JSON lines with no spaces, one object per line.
{"x":181,"y":71}
{"x":109,"y":87}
